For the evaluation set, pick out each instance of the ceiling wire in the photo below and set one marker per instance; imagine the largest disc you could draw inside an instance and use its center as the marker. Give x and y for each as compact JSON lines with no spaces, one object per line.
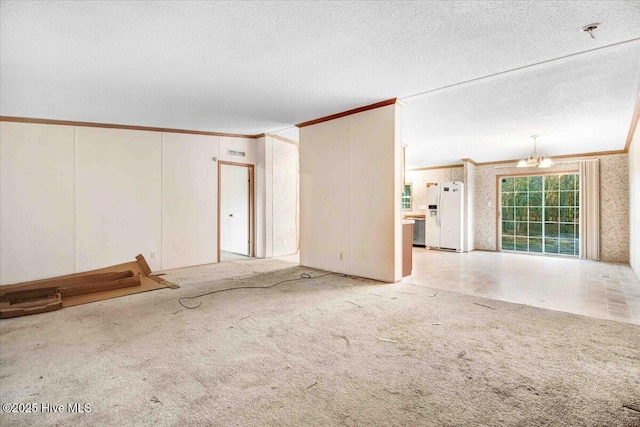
{"x":404,"y":98}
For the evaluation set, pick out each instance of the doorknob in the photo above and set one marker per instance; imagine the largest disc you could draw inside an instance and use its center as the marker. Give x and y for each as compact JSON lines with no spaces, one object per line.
{"x":230,"y":214}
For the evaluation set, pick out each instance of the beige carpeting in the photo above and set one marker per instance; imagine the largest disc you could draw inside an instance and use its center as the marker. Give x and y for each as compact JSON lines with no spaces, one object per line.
{"x":330,"y":351}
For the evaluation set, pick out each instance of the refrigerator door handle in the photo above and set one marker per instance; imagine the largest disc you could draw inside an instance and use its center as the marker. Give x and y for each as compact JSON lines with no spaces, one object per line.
{"x":439,"y":211}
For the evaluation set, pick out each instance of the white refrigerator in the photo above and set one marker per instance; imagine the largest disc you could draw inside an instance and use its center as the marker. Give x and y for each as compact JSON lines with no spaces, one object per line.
{"x":445,"y":205}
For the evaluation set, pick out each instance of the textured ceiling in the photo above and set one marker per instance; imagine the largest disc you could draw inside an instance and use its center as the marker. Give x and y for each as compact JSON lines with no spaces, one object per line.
{"x":254,"y":67}
{"x":580,"y":104}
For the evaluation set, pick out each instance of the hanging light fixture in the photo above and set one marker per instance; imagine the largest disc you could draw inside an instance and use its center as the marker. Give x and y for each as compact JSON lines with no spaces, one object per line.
{"x":535,"y":160}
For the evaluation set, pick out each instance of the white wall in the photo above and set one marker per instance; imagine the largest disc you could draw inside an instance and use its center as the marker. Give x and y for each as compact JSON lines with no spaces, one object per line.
{"x":37,"y":199}
{"x":350,"y":195}
{"x":78,"y":198}
{"x":189,"y":202}
{"x":634,"y":204}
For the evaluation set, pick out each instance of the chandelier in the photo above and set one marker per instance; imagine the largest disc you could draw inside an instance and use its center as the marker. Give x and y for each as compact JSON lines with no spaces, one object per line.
{"x":534,"y":159}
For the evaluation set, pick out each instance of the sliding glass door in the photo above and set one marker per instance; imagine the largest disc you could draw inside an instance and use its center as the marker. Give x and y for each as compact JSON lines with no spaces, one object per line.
{"x":539,"y":214}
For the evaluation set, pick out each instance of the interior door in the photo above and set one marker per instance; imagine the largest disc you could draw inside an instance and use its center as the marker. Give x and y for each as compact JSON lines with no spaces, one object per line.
{"x":234,"y":209}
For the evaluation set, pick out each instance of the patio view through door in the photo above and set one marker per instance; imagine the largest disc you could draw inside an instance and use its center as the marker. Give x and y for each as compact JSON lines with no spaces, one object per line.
{"x":539,"y":214}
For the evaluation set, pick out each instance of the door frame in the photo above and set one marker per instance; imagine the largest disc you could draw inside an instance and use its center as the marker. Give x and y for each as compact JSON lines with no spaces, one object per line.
{"x":499,"y":200}
{"x":252,"y":205}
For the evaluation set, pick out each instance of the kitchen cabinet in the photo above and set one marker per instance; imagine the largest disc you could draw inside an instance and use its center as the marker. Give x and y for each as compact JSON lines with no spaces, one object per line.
{"x":407,"y":247}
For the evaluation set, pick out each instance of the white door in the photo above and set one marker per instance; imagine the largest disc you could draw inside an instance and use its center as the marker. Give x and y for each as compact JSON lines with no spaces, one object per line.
{"x":234,"y":209}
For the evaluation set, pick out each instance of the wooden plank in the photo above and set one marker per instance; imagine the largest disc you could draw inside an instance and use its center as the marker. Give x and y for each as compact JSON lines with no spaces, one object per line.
{"x":65,"y":281}
{"x":20,"y":295}
{"x":22,"y":309}
{"x":89,"y":288}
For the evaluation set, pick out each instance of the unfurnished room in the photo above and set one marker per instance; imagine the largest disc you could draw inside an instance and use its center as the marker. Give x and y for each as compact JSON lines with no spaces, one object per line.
{"x":321,"y":213}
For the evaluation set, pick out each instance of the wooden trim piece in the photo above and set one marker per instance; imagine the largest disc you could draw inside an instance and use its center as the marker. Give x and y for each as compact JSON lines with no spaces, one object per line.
{"x":349,"y":112}
{"x":50,"y":303}
{"x":562,"y":156}
{"x":498,"y":206}
{"x":634,"y":125}
{"x":436,"y":167}
{"x":60,"y":282}
{"x":252,"y":204}
{"x":503,"y":162}
{"x":89,"y":288}
{"x":218,"y":232}
{"x":117,"y":126}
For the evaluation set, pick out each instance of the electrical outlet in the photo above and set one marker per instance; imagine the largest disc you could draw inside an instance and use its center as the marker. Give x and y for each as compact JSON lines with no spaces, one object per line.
{"x":152,"y":255}
{"x":341,"y":256}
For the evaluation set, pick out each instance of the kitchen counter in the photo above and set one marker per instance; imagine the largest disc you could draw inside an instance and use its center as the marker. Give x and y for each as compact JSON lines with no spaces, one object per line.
{"x":413,"y":215}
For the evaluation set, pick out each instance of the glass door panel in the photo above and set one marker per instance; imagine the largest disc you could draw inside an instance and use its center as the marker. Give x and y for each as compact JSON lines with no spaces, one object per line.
{"x":540,"y":214}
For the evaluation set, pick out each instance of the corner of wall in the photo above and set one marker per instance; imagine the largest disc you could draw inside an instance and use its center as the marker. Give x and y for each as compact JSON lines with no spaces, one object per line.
{"x":634,"y":203}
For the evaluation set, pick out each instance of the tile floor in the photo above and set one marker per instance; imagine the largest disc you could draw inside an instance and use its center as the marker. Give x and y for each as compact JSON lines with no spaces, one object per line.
{"x":598,"y":289}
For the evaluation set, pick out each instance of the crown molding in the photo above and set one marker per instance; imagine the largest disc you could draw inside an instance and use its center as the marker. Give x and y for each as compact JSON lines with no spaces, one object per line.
{"x":118,"y":126}
{"x":349,"y":112}
{"x":634,"y":124}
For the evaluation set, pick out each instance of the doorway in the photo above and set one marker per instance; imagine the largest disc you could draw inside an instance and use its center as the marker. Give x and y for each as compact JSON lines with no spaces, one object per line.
{"x":236,"y":211}
{"x":540,"y":213}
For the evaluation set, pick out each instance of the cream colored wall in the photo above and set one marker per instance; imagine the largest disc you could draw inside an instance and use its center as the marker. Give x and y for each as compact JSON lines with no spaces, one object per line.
{"x":278,"y":175}
{"x":189,"y":202}
{"x":634,"y":203}
{"x":78,"y":198}
{"x":350,"y":195}
{"x":614,"y":204}
{"x":37,"y":201}
{"x":325,"y":196}
{"x":260,"y":184}
{"x":284,"y":192}
{"x":118,"y":205}
{"x":245,"y":145}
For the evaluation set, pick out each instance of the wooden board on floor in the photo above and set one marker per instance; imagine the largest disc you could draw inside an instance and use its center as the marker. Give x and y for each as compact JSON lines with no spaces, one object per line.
{"x":147,"y":283}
